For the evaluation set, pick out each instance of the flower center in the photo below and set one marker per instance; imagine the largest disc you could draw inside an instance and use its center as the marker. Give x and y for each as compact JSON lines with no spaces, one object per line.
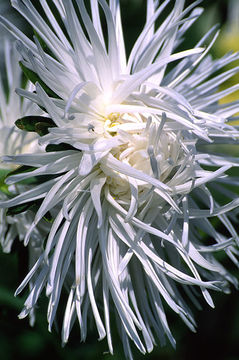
{"x":111,"y":123}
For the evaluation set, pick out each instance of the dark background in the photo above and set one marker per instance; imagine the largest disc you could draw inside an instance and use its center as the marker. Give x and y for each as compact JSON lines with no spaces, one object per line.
{"x":217,"y":336}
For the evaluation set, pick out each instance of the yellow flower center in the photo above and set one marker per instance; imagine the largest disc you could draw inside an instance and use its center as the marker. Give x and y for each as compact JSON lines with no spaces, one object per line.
{"x":111,"y":123}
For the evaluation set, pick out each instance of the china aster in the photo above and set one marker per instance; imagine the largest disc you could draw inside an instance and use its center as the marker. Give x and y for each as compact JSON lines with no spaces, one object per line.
{"x":13,"y":140}
{"x":136,"y":158}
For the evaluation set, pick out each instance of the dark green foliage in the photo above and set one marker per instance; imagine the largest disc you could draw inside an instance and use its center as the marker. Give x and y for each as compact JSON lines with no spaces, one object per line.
{"x":34,"y":78}
{"x":42,"y":128}
{"x":18,"y":209}
{"x":33,"y":206}
{"x":59,"y":147}
{"x":38,"y":124}
{"x":3,"y":186}
{"x":20,"y":170}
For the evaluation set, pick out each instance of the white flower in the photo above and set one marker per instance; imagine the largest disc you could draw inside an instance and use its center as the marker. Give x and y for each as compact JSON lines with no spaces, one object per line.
{"x":13,"y":141}
{"x":135,"y":166}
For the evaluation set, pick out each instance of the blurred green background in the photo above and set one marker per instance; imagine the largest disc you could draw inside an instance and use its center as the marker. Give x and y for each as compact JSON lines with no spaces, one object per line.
{"x":218,"y":330}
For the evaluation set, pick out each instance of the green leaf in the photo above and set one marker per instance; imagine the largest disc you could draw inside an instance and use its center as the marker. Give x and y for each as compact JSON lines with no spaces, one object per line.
{"x":24,"y":169}
{"x":42,"y":128}
{"x":21,"y":169}
{"x":33,"y":206}
{"x":4,"y":189}
{"x":48,"y":218}
{"x":38,"y":124}
{"x":59,"y":147}
{"x":18,"y":209}
{"x":34,"y":78}
{"x":4,"y":173}
{"x":29,"y":73}
{"x":3,"y":186}
{"x":41,"y":41}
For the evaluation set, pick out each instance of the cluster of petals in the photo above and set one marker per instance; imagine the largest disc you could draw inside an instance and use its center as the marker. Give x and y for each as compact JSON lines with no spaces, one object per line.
{"x":140,"y":158}
{"x":13,"y":141}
